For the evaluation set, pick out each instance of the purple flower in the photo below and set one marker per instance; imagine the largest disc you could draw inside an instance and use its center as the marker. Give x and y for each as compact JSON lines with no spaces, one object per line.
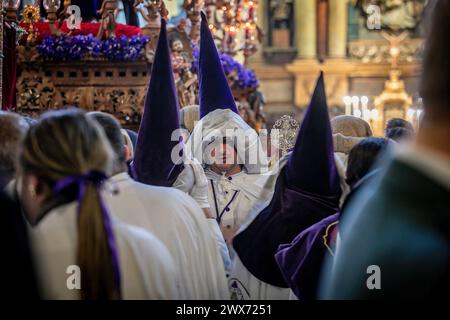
{"x":124,"y":48}
{"x":74,"y":48}
{"x":246,"y":78}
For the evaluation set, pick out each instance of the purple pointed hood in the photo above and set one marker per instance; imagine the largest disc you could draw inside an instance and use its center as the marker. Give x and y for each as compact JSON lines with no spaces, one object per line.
{"x":215,"y":93}
{"x":152,"y":162}
{"x":311,"y":166}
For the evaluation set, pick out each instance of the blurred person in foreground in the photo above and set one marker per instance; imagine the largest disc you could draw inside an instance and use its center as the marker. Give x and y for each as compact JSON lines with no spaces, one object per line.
{"x":17,"y":264}
{"x":17,"y":267}
{"x":396,"y":235}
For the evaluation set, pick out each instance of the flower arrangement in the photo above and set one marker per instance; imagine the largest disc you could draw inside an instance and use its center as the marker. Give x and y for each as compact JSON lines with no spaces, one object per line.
{"x":239,"y":76}
{"x":86,"y":28}
{"x":123,"y":48}
{"x":128,"y":45}
{"x":74,"y":48}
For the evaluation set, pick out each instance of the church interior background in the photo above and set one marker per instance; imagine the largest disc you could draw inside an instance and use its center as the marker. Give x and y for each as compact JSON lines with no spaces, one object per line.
{"x":272,"y":52}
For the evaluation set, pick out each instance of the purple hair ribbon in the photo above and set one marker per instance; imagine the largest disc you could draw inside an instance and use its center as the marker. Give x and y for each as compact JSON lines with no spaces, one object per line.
{"x":97,"y":178}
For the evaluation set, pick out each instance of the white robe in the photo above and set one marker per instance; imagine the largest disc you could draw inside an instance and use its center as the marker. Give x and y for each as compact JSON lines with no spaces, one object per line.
{"x":246,"y":186}
{"x":243,"y":285}
{"x":231,"y":198}
{"x":177,"y":220}
{"x":192,"y":181}
{"x":147,"y":269}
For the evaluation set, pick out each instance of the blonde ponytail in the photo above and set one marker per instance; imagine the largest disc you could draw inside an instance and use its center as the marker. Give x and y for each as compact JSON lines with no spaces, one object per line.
{"x":94,"y":254}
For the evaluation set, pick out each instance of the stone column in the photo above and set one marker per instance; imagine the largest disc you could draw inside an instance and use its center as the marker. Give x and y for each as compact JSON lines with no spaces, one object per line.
{"x":337,"y":28}
{"x":306,"y":28}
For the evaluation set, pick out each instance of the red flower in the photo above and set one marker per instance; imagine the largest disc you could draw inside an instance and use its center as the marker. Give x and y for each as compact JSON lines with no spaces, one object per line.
{"x":43,"y":29}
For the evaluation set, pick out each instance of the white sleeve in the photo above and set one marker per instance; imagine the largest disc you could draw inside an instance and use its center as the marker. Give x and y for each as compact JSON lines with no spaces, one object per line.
{"x":185,"y":180}
{"x":192,"y":180}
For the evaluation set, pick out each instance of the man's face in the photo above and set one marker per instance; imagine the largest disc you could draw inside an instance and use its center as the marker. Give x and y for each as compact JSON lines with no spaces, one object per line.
{"x":225,"y":157}
{"x":177,"y":45}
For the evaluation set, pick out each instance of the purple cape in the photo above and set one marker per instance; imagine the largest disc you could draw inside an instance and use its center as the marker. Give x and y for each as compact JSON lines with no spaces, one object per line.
{"x":301,"y":261}
{"x":290,"y":211}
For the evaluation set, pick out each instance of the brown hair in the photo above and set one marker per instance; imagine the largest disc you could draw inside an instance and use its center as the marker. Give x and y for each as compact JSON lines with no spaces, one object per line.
{"x":65,"y":143}
{"x":12,"y":132}
{"x":111,"y":127}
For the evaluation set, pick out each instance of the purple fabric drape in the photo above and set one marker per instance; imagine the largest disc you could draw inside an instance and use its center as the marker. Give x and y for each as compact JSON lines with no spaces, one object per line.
{"x":301,"y":261}
{"x":9,"y":69}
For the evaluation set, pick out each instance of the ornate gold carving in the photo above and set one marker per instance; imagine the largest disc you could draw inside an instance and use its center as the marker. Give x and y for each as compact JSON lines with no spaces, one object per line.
{"x":42,"y":87}
{"x":31,"y":14}
{"x":394,"y":99}
{"x":36,"y":94}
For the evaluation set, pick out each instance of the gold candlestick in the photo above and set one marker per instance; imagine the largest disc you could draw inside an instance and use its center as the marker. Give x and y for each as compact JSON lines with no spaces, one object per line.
{"x":10,"y":7}
{"x":52,"y":6}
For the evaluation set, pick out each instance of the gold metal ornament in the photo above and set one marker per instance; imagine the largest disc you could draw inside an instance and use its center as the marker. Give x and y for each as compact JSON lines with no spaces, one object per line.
{"x":30,"y":14}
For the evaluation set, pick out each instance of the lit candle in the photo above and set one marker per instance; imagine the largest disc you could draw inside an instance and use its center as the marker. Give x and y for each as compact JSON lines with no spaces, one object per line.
{"x":348,"y":105}
{"x":364,"y":111}
{"x":355,"y":104}
{"x":410,"y":115}
{"x":419,"y":113}
{"x":374,"y":114}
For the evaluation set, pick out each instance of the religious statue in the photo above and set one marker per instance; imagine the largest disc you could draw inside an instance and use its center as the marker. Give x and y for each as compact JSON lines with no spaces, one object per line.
{"x":193,"y":8}
{"x":185,"y":80}
{"x":108,"y":18}
{"x":154,"y":9}
{"x":187,"y":89}
{"x":152,"y":14}
{"x":281,"y":23}
{"x":395,"y":15}
{"x":180,"y":61}
{"x":281,"y":13}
